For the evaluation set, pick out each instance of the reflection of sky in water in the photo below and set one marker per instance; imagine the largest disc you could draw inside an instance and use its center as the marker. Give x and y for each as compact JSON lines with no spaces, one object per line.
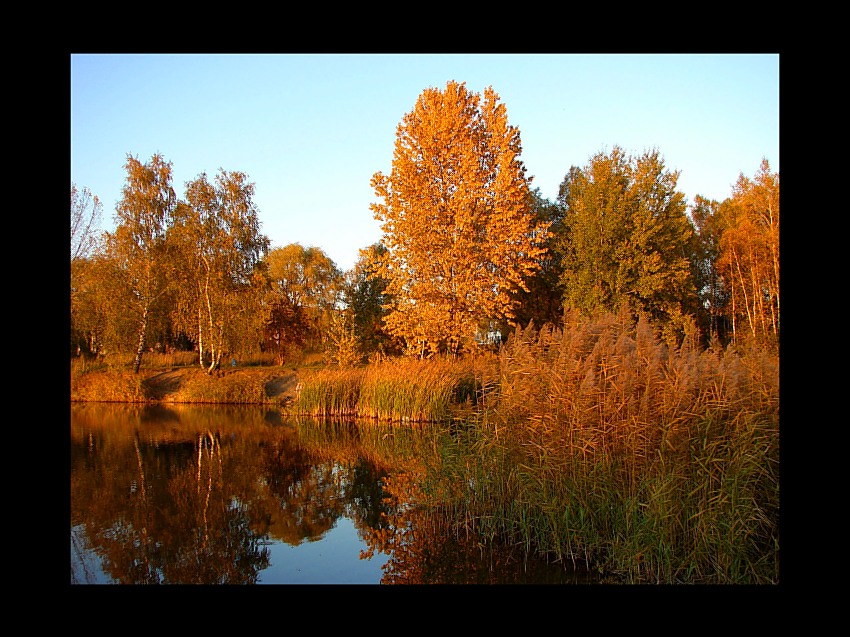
{"x":335,"y":559}
{"x":85,"y":563}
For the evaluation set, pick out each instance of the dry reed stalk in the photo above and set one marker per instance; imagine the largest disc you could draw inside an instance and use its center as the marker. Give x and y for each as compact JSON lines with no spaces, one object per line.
{"x":616,"y":429}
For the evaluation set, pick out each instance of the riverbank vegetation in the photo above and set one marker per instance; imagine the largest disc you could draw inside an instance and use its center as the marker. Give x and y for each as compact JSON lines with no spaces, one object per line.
{"x":595,"y":443}
{"x":599,"y":445}
{"x":174,"y":378}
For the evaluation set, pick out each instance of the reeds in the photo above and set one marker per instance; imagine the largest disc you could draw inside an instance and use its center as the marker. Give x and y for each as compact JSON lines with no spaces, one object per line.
{"x":393,"y":390}
{"x":606,"y":446}
{"x":330,"y":392}
{"x":412,"y":389}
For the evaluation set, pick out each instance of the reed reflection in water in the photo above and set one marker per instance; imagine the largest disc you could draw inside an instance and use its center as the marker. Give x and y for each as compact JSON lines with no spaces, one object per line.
{"x":236,"y":495}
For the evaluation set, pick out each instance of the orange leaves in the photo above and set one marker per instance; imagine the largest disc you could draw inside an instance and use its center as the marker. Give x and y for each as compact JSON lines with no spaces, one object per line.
{"x":458,"y":227}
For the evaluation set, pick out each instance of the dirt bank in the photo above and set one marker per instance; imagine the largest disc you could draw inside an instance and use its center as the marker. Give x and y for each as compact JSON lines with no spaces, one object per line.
{"x":280,"y":384}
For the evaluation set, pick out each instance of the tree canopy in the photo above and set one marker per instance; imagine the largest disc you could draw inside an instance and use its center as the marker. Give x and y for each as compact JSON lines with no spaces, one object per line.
{"x":143,"y":217}
{"x":458,"y":228}
{"x":625,"y":238}
{"x":469,"y":252}
{"x":217,"y":247}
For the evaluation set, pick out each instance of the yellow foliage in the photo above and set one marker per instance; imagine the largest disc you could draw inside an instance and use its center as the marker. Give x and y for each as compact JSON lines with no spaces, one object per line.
{"x":459,"y":230}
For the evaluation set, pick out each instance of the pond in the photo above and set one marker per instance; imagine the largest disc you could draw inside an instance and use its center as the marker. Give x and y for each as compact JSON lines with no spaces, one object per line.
{"x":185,"y":494}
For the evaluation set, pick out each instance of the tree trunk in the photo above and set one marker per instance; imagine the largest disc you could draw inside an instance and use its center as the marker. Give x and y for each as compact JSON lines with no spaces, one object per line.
{"x":143,"y":328}
{"x":200,"y":338}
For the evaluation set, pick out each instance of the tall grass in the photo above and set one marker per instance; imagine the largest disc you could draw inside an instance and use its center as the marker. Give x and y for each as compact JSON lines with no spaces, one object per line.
{"x":415,"y":390}
{"x":330,"y":392}
{"x":607,"y":447}
{"x":400,"y":389}
{"x":91,"y":382}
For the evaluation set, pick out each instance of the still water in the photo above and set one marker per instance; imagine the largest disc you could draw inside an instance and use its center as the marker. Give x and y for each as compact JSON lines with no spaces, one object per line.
{"x":238,"y":495}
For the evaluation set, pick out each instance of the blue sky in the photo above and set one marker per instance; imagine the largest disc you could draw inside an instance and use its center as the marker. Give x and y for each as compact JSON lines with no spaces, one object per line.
{"x":310,"y":130}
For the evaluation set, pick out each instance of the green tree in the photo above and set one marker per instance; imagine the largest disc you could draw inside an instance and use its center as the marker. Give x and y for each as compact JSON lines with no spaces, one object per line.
{"x":626,"y":239}
{"x":713,"y":295}
{"x":541,"y":301}
{"x":365,"y":297}
{"x":217,"y":247}
{"x":459,"y":232}
{"x":138,"y":244}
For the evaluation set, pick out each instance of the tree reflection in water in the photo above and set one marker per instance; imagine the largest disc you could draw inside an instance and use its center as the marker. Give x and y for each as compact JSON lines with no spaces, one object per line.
{"x":196,"y":495}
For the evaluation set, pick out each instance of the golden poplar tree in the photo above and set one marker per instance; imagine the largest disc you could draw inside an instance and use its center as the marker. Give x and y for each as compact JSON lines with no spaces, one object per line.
{"x":459,"y":231}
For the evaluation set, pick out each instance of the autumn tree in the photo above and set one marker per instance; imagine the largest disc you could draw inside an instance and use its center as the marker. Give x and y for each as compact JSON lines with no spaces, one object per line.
{"x":217,"y":247}
{"x":100,"y":296}
{"x":625,"y":239}
{"x":86,"y":211}
{"x":285,"y":325}
{"x":306,"y":284}
{"x":749,"y":253}
{"x":459,"y":233}
{"x":138,"y":244}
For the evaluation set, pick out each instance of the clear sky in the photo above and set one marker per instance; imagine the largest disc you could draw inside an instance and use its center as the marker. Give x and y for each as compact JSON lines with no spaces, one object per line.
{"x":310,"y":130}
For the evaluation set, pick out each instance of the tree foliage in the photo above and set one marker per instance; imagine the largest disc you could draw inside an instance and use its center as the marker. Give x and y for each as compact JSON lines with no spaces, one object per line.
{"x":218,"y":247}
{"x":87,"y":323}
{"x":138,"y":244}
{"x":713,"y":295}
{"x":459,"y":233}
{"x":365,"y":297}
{"x":469,"y":252}
{"x":749,"y":253}
{"x":625,"y":238}
{"x":100,"y":297}
{"x":307,"y":281}
{"x":541,"y":300}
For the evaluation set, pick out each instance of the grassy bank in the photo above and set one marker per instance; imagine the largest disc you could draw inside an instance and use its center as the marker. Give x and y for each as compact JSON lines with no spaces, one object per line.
{"x":174,"y":378}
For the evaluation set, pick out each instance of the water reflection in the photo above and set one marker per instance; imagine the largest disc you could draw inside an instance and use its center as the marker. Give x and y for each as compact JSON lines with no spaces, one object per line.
{"x":235,"y":495}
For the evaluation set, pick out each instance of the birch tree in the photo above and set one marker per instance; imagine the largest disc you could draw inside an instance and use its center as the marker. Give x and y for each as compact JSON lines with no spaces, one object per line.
{"x":749,"y":253}
{"x":218,"y":247}
{"x":138,"y":244}
{"x":86,"y":212}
